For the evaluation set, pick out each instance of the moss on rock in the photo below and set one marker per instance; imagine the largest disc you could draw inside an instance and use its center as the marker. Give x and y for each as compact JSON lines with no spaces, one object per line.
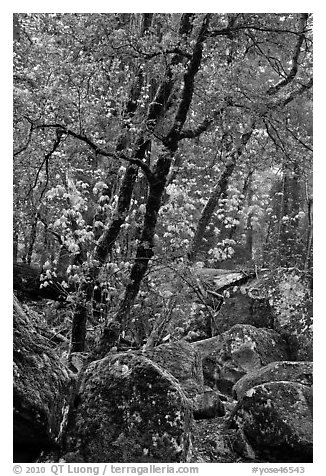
{"x":130,"y":410}
{"x":276,"y":420}
{"x":242,"y":349}
{"x":301,"y":372}
{"x":43,"y":387}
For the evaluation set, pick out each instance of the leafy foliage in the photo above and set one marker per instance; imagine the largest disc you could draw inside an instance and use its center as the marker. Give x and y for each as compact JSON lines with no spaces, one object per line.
{"x":148,"y":139}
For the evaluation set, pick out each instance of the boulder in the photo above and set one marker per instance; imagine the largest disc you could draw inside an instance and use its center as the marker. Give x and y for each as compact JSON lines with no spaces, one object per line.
{"x":275,"y":418}
{"x":242,"y":349}
{"x":290,"y":300}
{"x":240,"y":308}
{"x":42,"y":389}
{"x":129,"y":409}
{"x":292,"y":306}
{"x":300,"y":372}
{"x":183,"y":361}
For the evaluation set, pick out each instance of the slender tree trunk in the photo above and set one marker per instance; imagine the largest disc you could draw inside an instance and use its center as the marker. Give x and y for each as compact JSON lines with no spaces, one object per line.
{"x":15,"y":238}
{"x":249,"y":237}
{"x":246,"y":191}
{"x":296,"y":244}
{"x":218,"y":193}
{"x":146,"y":23}
{"x":289,"y":241}
{"x":249,"y":230}
{"x":157,"y":182}
{"x":15,"y":246}
{"x":145,"y":248}
{"x":308,"y":257}
{"x":107,"y":240}
{"x":283,"y":230}
{"x":64,"y":260}
{"x":78,"y":329}
{"x":207,"y":213}
{"x":266,"y":244}
{"x":32,"y":239}
{"x":102,"y":250}
{"x":46,"y":247}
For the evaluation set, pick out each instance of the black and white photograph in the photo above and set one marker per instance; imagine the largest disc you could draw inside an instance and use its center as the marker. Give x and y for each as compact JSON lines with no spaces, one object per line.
{"x":162,"y":241}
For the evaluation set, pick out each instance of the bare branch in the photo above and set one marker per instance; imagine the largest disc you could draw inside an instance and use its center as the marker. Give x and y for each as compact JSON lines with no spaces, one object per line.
{"x":98,"y":150}
{"x":278,"y":142}
{"x":192,"y":133}
{"x":274,"y":63}
{"x":303,"y":88}
{"x":204,"y":125}
{"x":45,"y":161}
{"x":295,"y":137}
{"x":49,"y":230}
{"x":295,"y":57}
{"x":173,"y":136}
{"x":176,"y":51}
{"x":227,"y":31}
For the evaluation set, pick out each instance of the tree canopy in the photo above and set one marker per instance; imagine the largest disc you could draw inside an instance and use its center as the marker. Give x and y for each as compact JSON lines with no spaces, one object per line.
{"x":144,"y":141}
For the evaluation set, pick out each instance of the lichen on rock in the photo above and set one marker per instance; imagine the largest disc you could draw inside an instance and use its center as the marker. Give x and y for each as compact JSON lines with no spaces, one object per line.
{"x":130,"y":410}
{"x":275,"y":418}
{"x":242,"y":349}
{"x":300,"y":372}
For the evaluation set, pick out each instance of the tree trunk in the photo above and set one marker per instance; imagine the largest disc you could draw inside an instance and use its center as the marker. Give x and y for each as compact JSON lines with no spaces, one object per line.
{"x":107,"y":240}
{"x":15,"y":246}
{"x":157,"y":181}
{"x":103,"y":248}
{"x":78,"y":329}
{"x":218,"y":193}
{"x":308,"y":257}
{"x":64,"y":260}
{"x":289,"y":241}
{"x":247,"y":193}
{"x":249,"y":230}
{"x":146,"y":244}
{"x":207,"y":213}
{"x":32,"y":239}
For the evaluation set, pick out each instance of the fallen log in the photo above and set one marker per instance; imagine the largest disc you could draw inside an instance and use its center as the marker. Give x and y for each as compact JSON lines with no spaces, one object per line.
{"x":221,"y":279}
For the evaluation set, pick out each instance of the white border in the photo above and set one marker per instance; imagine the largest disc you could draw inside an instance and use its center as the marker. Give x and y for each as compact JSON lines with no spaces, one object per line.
{"x":315,"y":7}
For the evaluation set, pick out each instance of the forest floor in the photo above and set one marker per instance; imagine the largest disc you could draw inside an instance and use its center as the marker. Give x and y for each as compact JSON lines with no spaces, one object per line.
{"x":215,"y":442}
{"x":212,"y":442}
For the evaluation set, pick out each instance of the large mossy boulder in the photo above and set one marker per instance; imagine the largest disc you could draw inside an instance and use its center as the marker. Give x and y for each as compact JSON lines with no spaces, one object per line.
{"x":240,"y":308}
{"x":275,"y":419}
{"x":300,"y":372}
{"x":290,"y":299}
{"x":242,"y":349}
{"x":292,"y":304}
{"x":42,"y":389}
{"x":183,"y":361}
{"x":131,"y":410}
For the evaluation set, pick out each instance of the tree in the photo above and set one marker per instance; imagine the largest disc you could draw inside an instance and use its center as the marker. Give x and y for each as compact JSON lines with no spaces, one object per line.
{"x":135,"y":138}
{"x":257,"y":114}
